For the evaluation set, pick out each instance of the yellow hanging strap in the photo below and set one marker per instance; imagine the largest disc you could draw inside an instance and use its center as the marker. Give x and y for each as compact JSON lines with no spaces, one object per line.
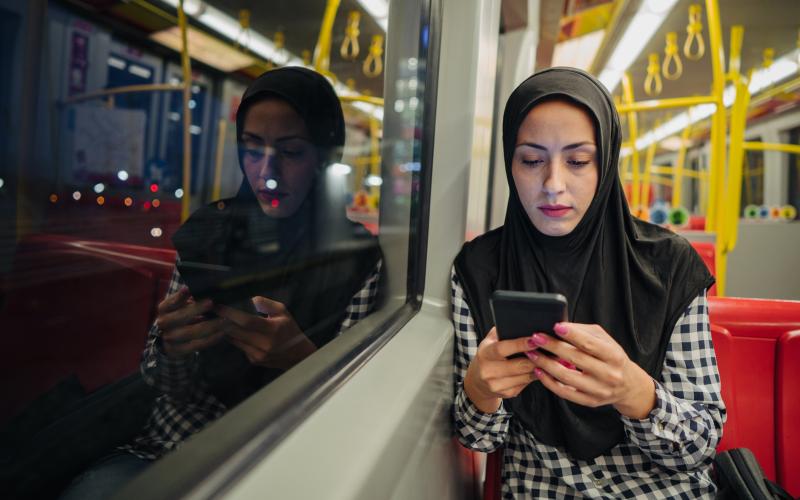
{"x":306,"y":55}
{"x":279,"y":40}
{"x":243,"y":38}
{"x":350,"y":83}
{"x":694,"y":30}
{"x":652,"y":84}
{"x":671,"y":58}
{"x":350,"y":49}
{"x":769,"y":58}
{"x":373,"y":64}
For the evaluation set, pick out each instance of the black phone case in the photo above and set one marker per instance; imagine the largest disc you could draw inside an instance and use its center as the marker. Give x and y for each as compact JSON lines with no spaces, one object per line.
{"x":521,"y":314}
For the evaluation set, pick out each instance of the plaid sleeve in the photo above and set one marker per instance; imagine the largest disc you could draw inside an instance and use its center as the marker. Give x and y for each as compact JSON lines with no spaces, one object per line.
{"x":682,"y":431}
{"x":363,"y":302}
{"x":168,"y":375}
{"x":476,"y":430}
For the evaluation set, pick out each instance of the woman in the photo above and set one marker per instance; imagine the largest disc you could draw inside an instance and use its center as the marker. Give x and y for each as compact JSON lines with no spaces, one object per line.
{"x":626,"y":401}
{"x":311,"y":273}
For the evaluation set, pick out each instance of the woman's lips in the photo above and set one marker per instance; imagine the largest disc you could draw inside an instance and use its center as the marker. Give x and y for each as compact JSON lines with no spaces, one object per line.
{"x":269,"y":195}
{"x":555,"y":211}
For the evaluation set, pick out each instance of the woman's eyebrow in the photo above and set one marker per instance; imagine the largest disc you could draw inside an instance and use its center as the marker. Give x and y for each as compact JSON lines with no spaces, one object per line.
{"x":565,"y":148}
{"x":249,"y":136}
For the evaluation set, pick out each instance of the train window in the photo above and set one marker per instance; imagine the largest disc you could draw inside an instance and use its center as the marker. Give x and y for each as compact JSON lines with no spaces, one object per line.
{"x":793,"y":196}
{"x":219,"y":242}
{"x":753,"y":178}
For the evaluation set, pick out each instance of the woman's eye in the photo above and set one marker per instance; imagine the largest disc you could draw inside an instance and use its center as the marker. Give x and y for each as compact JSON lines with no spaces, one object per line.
{"x":292,"y":153}
{"x":532,"y":162}
{"x":254,"y":154}
{"x":578,"y":163}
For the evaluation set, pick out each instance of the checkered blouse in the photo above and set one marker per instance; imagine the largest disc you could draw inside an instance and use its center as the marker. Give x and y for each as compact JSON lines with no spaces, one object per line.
{"x":666,"y":455}
{"x":186,"y":405}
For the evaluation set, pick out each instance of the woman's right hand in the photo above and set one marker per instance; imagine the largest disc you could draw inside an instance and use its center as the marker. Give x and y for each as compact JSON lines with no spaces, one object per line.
{"x":492,"y":377}
{"x":183,"y":327}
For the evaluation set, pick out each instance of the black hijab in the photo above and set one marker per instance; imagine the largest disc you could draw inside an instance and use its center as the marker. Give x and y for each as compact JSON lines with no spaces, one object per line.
{"x":632,"y":278}
{"x":312,"y":261}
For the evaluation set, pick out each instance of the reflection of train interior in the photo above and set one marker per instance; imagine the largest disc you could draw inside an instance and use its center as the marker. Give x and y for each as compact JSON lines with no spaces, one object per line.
{"x":118,"y":122}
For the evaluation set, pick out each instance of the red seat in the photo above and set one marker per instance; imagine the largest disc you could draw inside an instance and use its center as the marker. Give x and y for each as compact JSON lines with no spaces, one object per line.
{"x":787,"y":410}
{"x":74,"y":307}
{"x":757,"y":344}
{"x":706,"y":252}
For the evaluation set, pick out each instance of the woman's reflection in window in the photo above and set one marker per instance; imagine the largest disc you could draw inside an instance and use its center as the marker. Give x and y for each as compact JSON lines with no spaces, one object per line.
{"x":263,"y":279}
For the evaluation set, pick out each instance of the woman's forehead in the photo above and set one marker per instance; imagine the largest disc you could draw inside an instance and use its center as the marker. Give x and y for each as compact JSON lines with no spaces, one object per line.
{"x":557,"y":120}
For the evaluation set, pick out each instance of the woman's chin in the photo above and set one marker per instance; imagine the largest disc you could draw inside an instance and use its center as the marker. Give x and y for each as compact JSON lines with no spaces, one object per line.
{"x":555,"y":228}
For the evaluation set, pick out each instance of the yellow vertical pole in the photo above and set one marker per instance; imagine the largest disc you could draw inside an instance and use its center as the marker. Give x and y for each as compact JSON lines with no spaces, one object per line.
{"x":187,"y":116}
{"x":633,"y":132}
{"x":222,"y":129}
{"x":648,"y":164}
{"x":375,"y":151}
{"x":677,"y":179}
{"x":716,"y":201}
{"x":322,"y":52}
{"x":736,"y":153}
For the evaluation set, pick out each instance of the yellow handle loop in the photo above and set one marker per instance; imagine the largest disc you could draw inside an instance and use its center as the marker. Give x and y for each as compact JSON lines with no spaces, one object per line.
{"x":652,"y":84}
{"x":671,"y":56}
{"x":306,"y":55}
{"x":243,"y":38}
{"x":350,"y":83}
{"x":694,"y":29}
{"x":279,"y":40}
{"x":373,"y":64}
{"x":350,"y":49}
{"x":769,"y":57}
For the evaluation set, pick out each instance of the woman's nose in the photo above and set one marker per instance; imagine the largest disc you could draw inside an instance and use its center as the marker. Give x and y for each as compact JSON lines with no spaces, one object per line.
{"x":554,"y":179}
{"x":270,"y":166}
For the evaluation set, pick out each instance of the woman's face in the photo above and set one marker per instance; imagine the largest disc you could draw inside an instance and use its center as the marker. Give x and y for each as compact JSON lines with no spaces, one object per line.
{"x":555,"y":166}
{"x":279,"y":160}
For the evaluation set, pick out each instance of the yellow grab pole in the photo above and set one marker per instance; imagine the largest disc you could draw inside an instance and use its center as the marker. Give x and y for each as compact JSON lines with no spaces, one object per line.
{"x":677,"y":184}
{"x":716,"y":202}
{"x":187,"y":116}
{"x":771,"y":146}
{"x":736,"y":160}
{"x":676,"y":102}
{"x":322,"y":52}
{"x":627,"y":96}
{"x":222,"y":128}
{"x":375,"y":150}
{"x":648,"y":163}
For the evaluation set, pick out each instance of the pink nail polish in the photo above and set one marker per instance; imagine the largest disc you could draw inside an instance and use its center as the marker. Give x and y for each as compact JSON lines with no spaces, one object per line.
{"x":538,"y":372}
{"x":532,"y":355}
{"x":567,"y":364}
{"x":539,"y":339}
{"x":560,"y":329}
{"x":532,"y":343}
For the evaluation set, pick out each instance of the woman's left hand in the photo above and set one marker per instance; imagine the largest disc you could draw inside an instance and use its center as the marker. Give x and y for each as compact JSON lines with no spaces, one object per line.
{"x":592,"y":370}
{"x":273,"y":340}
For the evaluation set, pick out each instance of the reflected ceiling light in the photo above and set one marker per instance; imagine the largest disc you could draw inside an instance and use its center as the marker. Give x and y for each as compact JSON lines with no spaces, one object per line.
{"x":179,"y":193}
{"x":99,"y":188}
{"x":140,"y":71}
{"x":156,"y":232}
{"x":341,"y":169}
{"x":781,"y":68}
{"x":640,"y":30}
{"x":122,"y":175}
{"x":374,"y":180}
{"x":257,"y":43}
{"x":205,"y":48}
{"x":378,"y":10}
{"x":76,"y":195}
{"x":116,"y":62}
{"x":2,"y":183}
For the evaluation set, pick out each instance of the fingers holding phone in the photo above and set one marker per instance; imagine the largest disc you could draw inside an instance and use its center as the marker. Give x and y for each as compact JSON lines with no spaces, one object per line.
{"x":183,"y":327}
{"x":495,"y":373}
{"x":269,"y":338}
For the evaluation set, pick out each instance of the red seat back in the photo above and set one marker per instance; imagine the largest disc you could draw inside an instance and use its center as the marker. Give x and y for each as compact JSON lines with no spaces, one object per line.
{"x":706,"y":252}
{"x":787,"y":410}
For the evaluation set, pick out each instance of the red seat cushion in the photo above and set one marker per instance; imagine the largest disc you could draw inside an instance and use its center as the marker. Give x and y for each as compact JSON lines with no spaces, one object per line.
{"x":787,"y":410}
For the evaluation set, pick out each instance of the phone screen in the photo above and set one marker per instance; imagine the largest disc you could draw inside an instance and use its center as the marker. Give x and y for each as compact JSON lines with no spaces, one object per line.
{"x":521,"y":314}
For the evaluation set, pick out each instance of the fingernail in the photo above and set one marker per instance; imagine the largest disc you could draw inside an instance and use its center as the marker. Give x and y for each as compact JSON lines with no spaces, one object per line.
{"x":539,"y":339}
{"x":560,"y":329}
{"x":532,"y":355}
{"x":538,"y":372}
{"x":532,"y":343}
{"x":567,"y":364}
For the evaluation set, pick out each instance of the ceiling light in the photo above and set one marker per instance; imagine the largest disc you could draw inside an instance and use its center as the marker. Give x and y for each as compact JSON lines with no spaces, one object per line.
{"x":578,"y":52}
{"x":205,"y":49}
{"x":640,"y":30}
{"x":379,"y":10}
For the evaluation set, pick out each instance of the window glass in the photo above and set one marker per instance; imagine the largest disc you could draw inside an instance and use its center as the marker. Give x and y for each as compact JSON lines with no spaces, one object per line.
{"x":159,"y":270}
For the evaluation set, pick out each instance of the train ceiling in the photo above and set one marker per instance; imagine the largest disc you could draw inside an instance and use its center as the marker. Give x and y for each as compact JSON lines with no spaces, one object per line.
{"x":298,"y":20}
{"x":767,"y":24}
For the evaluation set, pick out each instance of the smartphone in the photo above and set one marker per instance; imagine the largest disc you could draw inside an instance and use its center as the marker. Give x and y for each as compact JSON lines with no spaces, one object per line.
{"x":521,"y":314}
{"x":221,"y":284}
